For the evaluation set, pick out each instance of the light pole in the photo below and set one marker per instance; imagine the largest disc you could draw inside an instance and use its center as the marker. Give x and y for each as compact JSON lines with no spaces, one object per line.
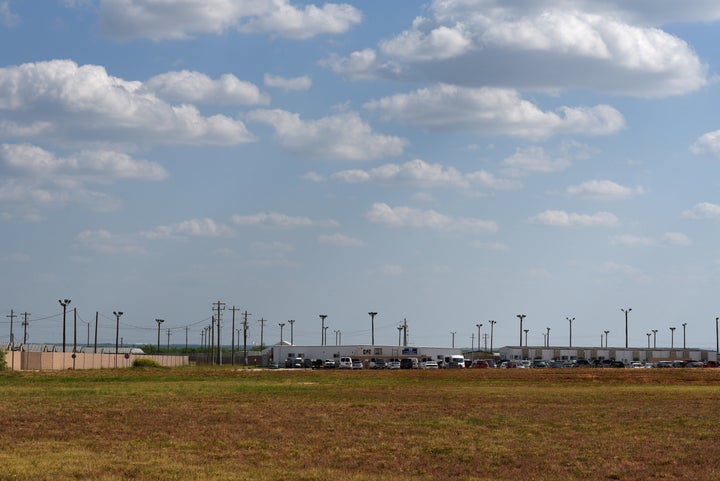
{"x":684,"y":325}
{"x":717,"y":336}
{"x":672,"y":337}
{"x":64,"y":303}
{"x":399,"y":328}
{"x":521,"y":317}
{"x":292,"y":322}
{"x":159,"y":321}
{"x":325,"y":334}
{"x":547,"y":339}
{"x":626,"y":324}
{"x":648,"y":335}
{"x":479,"y":326}
{"x":281,"y":324}
{"x":117,"y":332}
{"x":606,"y":339}
{"x":453,"y":338}
{"x":322,"y":330}
{"x":570,"y":320}
{"x":372,"y":326}
{"x":654,"y":331}
{"x":492,"y":325}
{"x":526,"y":333}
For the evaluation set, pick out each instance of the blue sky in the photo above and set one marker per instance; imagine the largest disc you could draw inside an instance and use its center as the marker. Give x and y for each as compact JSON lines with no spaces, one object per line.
{"x":447,"y":162}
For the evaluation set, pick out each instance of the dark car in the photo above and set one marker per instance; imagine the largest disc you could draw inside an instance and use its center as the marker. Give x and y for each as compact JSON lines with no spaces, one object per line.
{"x":617,"y":364}
{"x":406,"y":363}
{"x":582,"y":363}
{"x":380,"y":363}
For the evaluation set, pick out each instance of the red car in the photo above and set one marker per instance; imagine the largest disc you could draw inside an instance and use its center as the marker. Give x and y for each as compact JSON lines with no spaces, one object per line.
{"x":711,"y":364}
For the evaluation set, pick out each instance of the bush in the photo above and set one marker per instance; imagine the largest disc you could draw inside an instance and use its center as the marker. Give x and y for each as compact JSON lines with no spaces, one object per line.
{"x":3,"y":361}
{"x":145,"y":362}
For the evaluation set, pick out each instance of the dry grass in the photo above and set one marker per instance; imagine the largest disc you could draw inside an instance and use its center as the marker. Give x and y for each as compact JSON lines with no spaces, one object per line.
{"x":221,"y":424}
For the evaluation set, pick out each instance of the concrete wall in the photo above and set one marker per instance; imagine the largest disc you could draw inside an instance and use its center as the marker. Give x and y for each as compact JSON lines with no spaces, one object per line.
{"x":55,"y":361}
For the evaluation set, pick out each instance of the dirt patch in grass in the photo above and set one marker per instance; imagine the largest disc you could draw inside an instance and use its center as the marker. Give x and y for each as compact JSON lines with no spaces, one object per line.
{"x":223,"y":424}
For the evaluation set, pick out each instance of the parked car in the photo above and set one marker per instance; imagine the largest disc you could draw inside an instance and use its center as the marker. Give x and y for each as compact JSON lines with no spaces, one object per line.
{"x":711,"y":364}
{"x":357,"y":364}
{"x":317,"y":363}
{"x":429,"y":364}
{"x":329,"y":364}
{"x":480,"y":364}
{"x":539,"y":363}
{"x":345,"y":363}
{"x":407,"y":363}
{"x":379,"y":363}
{"x":582,"y":363}
{"x":394,"y":364}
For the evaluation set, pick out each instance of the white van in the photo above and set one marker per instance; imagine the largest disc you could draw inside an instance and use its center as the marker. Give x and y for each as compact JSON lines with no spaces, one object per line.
{"x":345,"y":363}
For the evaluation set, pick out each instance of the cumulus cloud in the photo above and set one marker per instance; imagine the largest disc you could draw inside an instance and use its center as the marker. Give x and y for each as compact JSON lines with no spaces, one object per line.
{"x":189,"y":86}
{"x":43,"y":181}
{"x":343,"y":136}
{"x":604,"y":190}
{"x":104,"y":242}
{"x":288,"y":83}
{"x":84,"y":103}
{"x":493,"y":111}
{"x":421,"y":173}
{"x":159,"y":19}
{"x":102,"y":166}
{"x":340,"y":240}
{"x":609,"y":46}
{"x":561,"y":218}
{"x":276,"y":219}
{"x":707,"y":144}
{"x":381,"y":213}
{"x":703,"y":210}
{"x":190,"y":228}
{"x":7,"y":17}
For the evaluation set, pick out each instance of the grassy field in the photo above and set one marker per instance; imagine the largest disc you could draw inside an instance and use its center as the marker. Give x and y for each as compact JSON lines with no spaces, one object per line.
{"x":225,"y":424}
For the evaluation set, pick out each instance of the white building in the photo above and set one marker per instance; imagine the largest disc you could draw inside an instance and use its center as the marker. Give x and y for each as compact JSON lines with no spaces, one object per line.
{"x":280,"y":352}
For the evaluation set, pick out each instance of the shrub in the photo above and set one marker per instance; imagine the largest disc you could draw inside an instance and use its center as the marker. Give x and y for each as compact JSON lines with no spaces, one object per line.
{"x":3,"y":361}
{"x":145,"y":362}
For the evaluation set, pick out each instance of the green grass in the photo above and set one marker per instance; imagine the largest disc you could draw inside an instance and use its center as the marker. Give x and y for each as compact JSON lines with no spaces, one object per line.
{"x":198,"y":424}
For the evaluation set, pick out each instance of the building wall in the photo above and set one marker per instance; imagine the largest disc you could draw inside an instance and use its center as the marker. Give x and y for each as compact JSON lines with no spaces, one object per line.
{"x":619,"y":354}
{"x":280,"y":353}
{"x":56,"y":361}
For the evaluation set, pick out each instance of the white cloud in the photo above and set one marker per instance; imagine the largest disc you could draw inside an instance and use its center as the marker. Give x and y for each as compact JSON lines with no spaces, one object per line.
{"x":188,"y":86}
{"x":343,"y":136}
{"x":613,"y":47}
{"x":84,"y":103}
{"x":275,"y":219}
{"x":560,"y":218}
{"x":707,"y":144}
{"x":340,"y":240}
{"x":294,"y":83}
{"x":629,"y":272}
{"x":493,"y":111}
{"x":160,"y":19}
{"x":676,"y":239}
{"x":190,"y":228}
{"x":88,"y":165}
{"x":103,"y":242}
{"x":381,"y":213}
{"x":604,"y":190}
{"x":392,"y":270}
{"x":703,"y":210}
{"x":419,"y":172}
{"x":7,"y":18}
{"x":632,"y":240}
{"x":437,"y":44}
{"x":493,"y":246}
{"x":533,"y":159}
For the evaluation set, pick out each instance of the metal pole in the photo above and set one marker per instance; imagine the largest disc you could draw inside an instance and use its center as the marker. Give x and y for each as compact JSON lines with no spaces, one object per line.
{"x":521,"y":317}
{"x":159,"y":321}
{"x":372,"y":326}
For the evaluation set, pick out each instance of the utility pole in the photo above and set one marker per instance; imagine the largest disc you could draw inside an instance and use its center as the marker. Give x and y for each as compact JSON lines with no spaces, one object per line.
{"x":159,"y":321}
{"x":232,"y":349}
{"x":262,"y":330}
{"x":25,"y":325}
{"x":322,"y":331}
{"x":570,"y":320}
{"x":372,"y":326}
{"x":453,"y":338}
{"x":400,"y":328}
{"x":405,"y":332}
{"x":168,"y":343}
{"x":96,"y":328}
{"x":292,"y":340}
{"x":521,"y":317}
{"x":64,"y":303}
{"x":492,"y":328}
{"x":74,"y":331}
{"x":626,"y":311}
{"x":219,"y":306}
{"x":12,"y":336}
{"x":245,"y":330}
{"x":117,"y":332}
